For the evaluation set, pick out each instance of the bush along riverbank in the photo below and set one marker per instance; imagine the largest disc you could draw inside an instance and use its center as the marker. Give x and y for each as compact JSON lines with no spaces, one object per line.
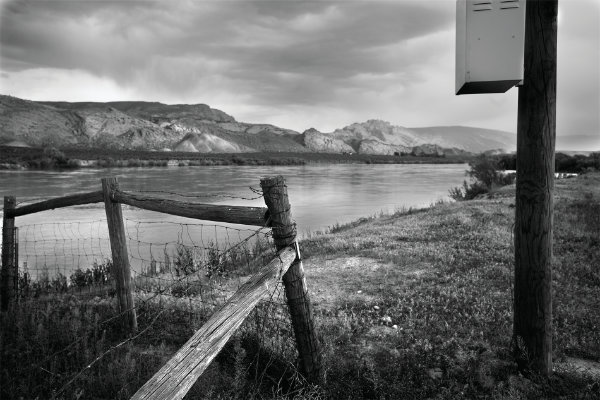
{"x":413,"y":305}
{"x":490,"y":173}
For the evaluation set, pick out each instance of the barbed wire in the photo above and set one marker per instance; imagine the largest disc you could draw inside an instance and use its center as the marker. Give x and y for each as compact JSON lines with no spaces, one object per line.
{"x":46,"y":243}
{"x":223,"y":257}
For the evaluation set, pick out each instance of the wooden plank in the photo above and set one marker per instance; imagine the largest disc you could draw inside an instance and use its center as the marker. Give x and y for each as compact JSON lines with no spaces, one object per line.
{"x":59,"y":202}
{"x":118,"y":246}
{"x":209,"y":212}
{"x":9,"y":273}
{"x":296,"y":290}
{"x":178,"y":375}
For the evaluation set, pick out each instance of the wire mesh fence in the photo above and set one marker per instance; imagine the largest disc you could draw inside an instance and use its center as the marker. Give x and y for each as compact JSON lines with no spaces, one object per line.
{"x":63,"y":337}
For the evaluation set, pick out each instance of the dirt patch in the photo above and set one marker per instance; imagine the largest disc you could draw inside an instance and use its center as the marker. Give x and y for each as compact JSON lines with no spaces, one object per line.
{"x":331,"y":280}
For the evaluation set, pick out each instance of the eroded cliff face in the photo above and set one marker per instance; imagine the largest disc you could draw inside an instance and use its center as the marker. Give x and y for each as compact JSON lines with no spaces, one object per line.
{"x":378,"y":131}
{"x":207,"y":143}
{"x":372,"y":146}
{"x":428,"y":150}
{"x":370,"y":137}
{"x":324,"y":143}
{"x":381,"y":137}
{"x":137,"y":125}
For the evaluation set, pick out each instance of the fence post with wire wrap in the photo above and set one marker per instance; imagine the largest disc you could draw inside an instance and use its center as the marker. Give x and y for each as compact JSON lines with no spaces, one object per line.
{"x":9,"y":252}
{"x":296,"y":291}
{"x":118,"y":246}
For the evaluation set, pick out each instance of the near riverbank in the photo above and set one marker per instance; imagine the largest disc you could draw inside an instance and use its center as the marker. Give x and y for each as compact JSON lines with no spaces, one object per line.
{"x":419,"y":304}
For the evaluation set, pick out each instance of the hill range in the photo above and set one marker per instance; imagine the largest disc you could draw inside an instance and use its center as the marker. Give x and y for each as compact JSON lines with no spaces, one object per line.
{"x":136,"y":125}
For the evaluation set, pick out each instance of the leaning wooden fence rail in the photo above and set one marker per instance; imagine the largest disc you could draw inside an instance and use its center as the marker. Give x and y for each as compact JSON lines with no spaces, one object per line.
{"x":178,"y":375}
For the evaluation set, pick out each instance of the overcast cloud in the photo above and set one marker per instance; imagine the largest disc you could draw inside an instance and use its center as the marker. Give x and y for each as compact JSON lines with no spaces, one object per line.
{"x":296,"y":64}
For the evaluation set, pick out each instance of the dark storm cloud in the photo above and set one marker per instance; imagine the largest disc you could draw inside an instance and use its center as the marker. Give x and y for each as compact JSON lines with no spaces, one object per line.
{"x":97,"y":36}
{"x":259,"y":43}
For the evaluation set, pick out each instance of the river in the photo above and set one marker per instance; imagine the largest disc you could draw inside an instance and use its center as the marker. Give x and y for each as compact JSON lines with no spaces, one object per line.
{"x":321,"y":195}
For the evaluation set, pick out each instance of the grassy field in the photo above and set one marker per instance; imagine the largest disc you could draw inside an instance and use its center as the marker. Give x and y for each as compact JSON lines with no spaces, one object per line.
{"x":414,"y":305}
{"x":419,"y":304}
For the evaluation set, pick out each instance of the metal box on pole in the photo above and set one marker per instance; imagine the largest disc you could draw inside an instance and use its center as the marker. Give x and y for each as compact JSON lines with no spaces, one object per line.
{"x":490,"y":38}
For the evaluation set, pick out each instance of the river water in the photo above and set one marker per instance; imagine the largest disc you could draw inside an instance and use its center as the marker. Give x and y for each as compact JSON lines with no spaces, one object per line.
{"x":320,"y":196}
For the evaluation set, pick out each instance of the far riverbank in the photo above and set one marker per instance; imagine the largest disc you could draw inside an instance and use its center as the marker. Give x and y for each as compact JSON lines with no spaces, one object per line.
{"x":38,"y":158}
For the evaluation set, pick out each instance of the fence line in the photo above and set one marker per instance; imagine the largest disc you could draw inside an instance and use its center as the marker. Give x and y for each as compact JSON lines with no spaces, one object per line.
{"x":157,"y":280}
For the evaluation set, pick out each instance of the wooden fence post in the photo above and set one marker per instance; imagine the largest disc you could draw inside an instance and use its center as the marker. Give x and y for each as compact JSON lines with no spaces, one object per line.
{"x":536,"y":135}
{"x":9,"y":275}
{"x":118,"y":246}
{"x":296,"y":291}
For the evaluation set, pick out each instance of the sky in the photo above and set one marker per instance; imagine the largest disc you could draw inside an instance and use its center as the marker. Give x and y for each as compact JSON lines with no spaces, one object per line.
{"x":293,"y":63}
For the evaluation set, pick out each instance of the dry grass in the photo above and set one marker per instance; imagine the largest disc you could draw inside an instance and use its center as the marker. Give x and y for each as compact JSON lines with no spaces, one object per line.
{"x":419,"y":304}
{"x":415,"y":305}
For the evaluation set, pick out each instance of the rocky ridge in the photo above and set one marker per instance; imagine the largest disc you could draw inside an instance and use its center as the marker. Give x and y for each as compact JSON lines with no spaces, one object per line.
{"x":200,"y":128}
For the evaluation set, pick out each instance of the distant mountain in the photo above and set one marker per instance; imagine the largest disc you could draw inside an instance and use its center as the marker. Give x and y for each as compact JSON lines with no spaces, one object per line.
{"x":475,"y":140}
{"x":37,"y":124}
{"x":137,"y":125}
{"x":200,"y":128}
{"x":380,"y":137}
{"x":152,"y":111}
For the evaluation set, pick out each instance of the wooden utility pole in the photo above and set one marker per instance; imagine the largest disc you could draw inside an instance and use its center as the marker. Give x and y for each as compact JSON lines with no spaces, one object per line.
{"x":536,"y":133}
{"x":296,"y":291}
{"x":118,"y":245}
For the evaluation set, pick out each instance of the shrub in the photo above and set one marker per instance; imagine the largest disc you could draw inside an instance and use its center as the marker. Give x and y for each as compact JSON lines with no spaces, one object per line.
{"x":186,"y":289}
{"x":468,"y":191}
{"x":485,"y":175}
{"x":59,"y":283}
{"x":214,"y":265}
{"x":184,"y":261}
{"x":79,"y":278}
{"x":562,"y":162}
{"x":507,"y":161}
{"x":99,"y":274}
{"x":53,"y":157}
{"x":576,"y":164}
{"x":456,"y":193}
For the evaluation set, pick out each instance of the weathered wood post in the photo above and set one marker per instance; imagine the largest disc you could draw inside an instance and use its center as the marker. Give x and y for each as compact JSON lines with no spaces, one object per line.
{"x":120,"y":259}
{"x":9,"y":274}
{"x":296,"y":291}
{"x":536,"y":132}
